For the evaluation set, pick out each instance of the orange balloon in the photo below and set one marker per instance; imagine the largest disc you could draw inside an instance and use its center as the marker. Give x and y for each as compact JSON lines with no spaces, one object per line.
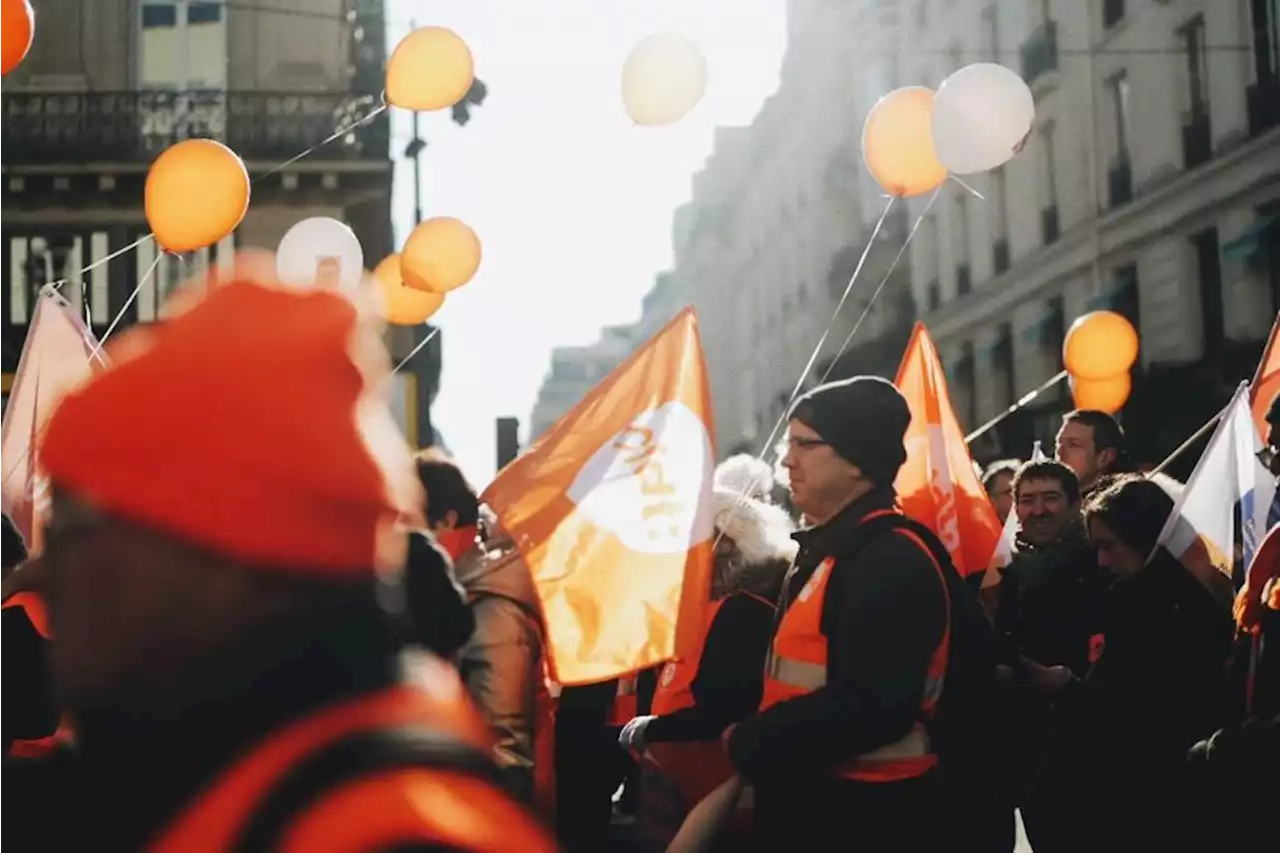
{"x":1106,"y":395}
{"x":897,"y":142}
{"x":430,"y":69}
{"x":1099,"y":345}
{"x":403,"y":305}
{"x":17,"y":29}
{"x":440,"y":255}
{"x":197,"y":193}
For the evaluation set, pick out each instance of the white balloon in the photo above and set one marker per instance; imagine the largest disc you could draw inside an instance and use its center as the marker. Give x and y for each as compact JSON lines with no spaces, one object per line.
{"x":664,"y":77}
{"x":321,"y":252}
{"x":982,"y":115}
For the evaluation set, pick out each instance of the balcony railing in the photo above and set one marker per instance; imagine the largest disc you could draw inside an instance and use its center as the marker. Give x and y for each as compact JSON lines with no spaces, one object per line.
{"x":1197,"y":139}
{"x":1049,"y":230}
{"x":1264,"y":105}
{"x":1040,"y":51}
{"x":135,"y":126}
{"x":1120,"y":182}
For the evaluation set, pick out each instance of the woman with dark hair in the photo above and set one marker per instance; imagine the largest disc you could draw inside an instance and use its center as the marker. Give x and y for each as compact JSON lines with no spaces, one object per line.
{"x":1156,"y":685}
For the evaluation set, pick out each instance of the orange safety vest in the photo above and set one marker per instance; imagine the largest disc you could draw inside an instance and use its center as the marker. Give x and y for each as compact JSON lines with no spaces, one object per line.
{"x":797,"y":664}
{"x":696,"y":768}
{"x":376,"y":810}
{"x":625,"y":701}
{"x":33,"y":605}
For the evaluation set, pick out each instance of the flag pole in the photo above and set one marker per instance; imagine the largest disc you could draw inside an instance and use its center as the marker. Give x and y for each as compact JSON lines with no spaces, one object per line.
{"x":1021,"y":401}
{"x":1182,"y":448}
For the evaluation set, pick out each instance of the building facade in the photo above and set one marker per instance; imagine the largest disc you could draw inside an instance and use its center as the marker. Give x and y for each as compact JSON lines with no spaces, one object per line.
{"x":575,"y":370}
{"x":1150,"y":185}
{"x":776,"y":224}
{"x":109,"y":85}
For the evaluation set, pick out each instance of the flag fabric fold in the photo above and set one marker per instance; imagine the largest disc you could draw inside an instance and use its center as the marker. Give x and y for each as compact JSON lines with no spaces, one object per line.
{"x":1266,"y":381}
{"x":1228,"y":487}
{"x":59,"y":354}
{"x":610,"y":509}
{"x":938,"y":485}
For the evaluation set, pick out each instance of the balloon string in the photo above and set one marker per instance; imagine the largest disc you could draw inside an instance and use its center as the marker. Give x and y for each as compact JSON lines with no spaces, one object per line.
{"x":146,"y":276}
{"x":417,"y":349}
{"x":804,"y":374}
{"x":875,"y":295}
{"x":1018,"y":404}
{"x":342,"y":131}
{"x":970,"y":189}
{"x":104,"y":260}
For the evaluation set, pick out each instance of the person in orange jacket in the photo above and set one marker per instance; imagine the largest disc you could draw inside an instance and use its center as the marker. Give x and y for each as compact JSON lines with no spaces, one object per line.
{"x":228,"y":501}
{"x":698,"y":698}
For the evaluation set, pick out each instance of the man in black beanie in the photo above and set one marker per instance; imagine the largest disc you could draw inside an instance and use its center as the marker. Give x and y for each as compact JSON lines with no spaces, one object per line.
{"x":838,"y":755}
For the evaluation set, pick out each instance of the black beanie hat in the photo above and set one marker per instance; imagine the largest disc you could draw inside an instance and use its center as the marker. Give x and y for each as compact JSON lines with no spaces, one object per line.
{"x":864,"y":419}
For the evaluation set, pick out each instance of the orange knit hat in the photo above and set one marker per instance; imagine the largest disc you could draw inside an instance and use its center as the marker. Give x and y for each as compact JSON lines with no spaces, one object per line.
{"x":249,"y":425}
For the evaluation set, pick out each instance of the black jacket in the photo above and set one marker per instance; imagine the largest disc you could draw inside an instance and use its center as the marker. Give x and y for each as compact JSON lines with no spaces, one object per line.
{"x":730,"y":678}
{"x":442,"y":621}
{"x":883,"y":615}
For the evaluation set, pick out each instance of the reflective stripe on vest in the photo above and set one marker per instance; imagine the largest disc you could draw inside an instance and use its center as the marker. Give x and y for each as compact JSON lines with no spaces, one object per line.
{"x":215,"y":818}
{"x":797,"y":664}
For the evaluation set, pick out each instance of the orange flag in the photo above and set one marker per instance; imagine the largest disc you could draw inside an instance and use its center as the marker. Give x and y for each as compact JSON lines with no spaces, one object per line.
{"x":59,"y":354}
{"x":610,"y":510}
{"x":1266,"y":381}
{"x":937,"y":485}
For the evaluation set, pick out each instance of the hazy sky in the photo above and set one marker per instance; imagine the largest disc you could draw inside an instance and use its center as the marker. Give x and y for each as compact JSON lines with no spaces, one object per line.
{"x":572,"y":203}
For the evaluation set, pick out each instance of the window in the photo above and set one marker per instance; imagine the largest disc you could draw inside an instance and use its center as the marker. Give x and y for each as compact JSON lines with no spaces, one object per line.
{"x":967,"y":376}
{"x":1048,"y":176}
{"x":159,"y":15}
{"x":1046,"y":11}
{"x":955,"y":58}
{"x":183,"y":45}
{"x":1125,"y":294}
{"x":922,"y":14}
{"x":998,"y":205}
{"x":1209,"y":271}
{"x":1265,"y":16}
{"x":960,"y":229}
{"x":933,"y":297}
{"x":991,"y":32}
{"x":1118,"y":92}
{"x":204,"y":13}
{"x":1003,"y":358}
{"x":1112,"y":13}
{"x":1192,"y":35}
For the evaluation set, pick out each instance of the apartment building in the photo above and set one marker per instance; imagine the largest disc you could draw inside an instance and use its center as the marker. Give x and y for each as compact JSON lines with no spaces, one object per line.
{"x":575,"y":370}
{"x":1150,"y":186}
{"x":110,"y":84}
{"x":777,"y":221}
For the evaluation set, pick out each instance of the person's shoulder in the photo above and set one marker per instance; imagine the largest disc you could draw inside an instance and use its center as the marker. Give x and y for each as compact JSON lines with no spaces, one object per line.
{"x":896,"y":555}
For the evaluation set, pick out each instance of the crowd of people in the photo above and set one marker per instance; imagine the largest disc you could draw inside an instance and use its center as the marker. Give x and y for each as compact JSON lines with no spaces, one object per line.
{"x":257,"y":625}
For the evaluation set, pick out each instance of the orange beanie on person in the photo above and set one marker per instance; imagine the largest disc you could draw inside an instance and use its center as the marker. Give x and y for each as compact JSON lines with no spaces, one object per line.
{"x":247,"y":425}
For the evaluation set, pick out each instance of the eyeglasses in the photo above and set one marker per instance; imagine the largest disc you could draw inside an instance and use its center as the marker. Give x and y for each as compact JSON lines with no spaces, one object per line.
{"x":796,"y":442}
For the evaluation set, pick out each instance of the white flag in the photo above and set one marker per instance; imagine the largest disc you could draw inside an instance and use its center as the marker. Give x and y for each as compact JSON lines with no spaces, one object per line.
{"x":59,"y":354}
{"x":1004,"y":548}
{"x":1201,"y":530}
